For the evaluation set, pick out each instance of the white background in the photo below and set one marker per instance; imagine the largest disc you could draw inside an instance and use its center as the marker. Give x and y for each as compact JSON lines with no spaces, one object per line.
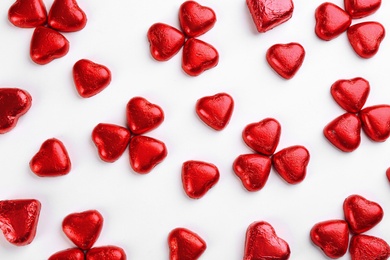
{"x":140,"y":210}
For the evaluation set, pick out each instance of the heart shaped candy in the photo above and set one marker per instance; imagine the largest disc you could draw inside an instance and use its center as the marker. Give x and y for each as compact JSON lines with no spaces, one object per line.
{"x":198,"y":178}
{"x":27,"y":13}
{"x":351,"y":94}
{"x":106,"y":253}
{"x":14,"y":103}
{"x":286,"y":59}
{"x":110,"y":140}
{"x":361,"y":8}
{"x":332,"y":236}
{"x":185,"y":245}
{"x":51,"y":160}
{"x":262,"y":243}
{"x":365,"y":247}
{"x":90,"y":78}
{"x":195,"y":19}
{"x":66,"y":16}
{"x":215,"y":111}
{"x":376,"y":122}
{"x":19,"y":220}
{"x":68,"y":254}
{"x":388,"y":174}
{"x":83,"y":228}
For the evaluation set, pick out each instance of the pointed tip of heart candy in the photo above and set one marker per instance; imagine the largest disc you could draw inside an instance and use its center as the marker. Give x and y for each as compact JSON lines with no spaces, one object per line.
{"x":27,"y":14}
{"x":185,"y":244}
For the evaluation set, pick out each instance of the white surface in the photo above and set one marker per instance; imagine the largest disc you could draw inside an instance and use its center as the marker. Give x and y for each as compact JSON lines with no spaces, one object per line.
{"x":140,"y":210}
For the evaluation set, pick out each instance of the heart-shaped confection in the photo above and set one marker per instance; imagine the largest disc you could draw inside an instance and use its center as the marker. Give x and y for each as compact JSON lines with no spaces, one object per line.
{"x":110,"y":140}
{"x":51,"y":160}
{"x":262,"y":243}
{"x":351,"y":94}
{"x":27,"y":13}
{"x":198,"y":56}
{"x":344,"y":132}
{"x":14,"y":103}
{"x":195,"y":19}
{"x":365,"y":38}
{"x":185,"y":245}
{"x":106,"y":253}
{"x":267,"y":14}
{"x":331,"y":21}
{"x":165,"y":41}
{"x":253,"y":170}
{"x":376,"y":122}
{"x":90,"y":78}
{"x":332,"y":236}
{"x":19,"y":220}
{"x":198,"y":178}
{"x":263,"y":136}
{"x":361,"y":8}
{"x":145,"y":153}
{"x":47,"y":45}
{"x":291,"y":163}
{"x":215,"y":110}
{"x":388,"y":174}
{"x":66,"y":16}
{"x":365,"y":247}
{"x":286,"y":59}
{"x":361,"y":214}
{"x":143,"y":116}
{"x":68,"y":254}
{"x":83,"y":228}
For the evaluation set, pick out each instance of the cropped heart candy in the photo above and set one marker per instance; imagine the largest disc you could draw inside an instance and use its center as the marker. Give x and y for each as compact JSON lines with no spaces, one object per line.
{"x":365,"y":38}
{"x":388,"y":174}
{"x":344,"y":132}
{"x":268,"y":14}
{"x":145,"y":153}
{"x":253,"y":170}
{"x":361,"y":214}
{"x":286,"y":59}
{"x":51,"y":160}
{"x":165,"y":41}
{"x":376,"y":122}
{"x":90,"y":78}
{"x":331,"y":21}
{"x":19,"y":220}
{"x":47,"y":45}
{"x":83,"y":228}
{"x":66,"y":16}
{"x":351,"y":94}
{"x":361,"y":8}
{"x":291,"y":163}
{"x":27,"y":13}
{"x":365,"y":247}
{"x":14,"y":103}
{"x":215,"y":111}
{"x":110,"y":140}
{"x":198,"y":178}
{"x":185,"y":245}
{"x":68,"y":254}
{"x":106,"y":252}
{"x":262,"y":243}
{"x":195,"y":19}
{"x":332,"y":237}
{"x":198,"y":56}
{"x":263,"y":137}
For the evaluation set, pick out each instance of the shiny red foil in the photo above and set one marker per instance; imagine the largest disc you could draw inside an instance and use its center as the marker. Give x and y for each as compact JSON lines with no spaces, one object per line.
{"x":388,"y":174}
{"x":363,"y":247}
{"x":361,"y":8}
{"x":27,"y":13}
{"x":66,"y":16}
{"x":376,"y":122}
{"x":68,"y":254}
{"x":196,"y":19}
{"x":185,"y":245}
{"x":106,"y":253}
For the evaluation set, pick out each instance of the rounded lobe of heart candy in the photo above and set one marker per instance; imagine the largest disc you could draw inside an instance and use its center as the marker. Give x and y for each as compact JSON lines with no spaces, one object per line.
{"x":344,"y":132}
{"x":27,"y":13}
{"x":263,"y":137}
{"x":14,"y":103}
{"x":253,"y":170}
{"x":47,"y":45}
{"x":165,"y":41}
{"x":332,"y":236}
{"x":66,"y":16}
{"x":365,"y":38}
{"x":185,"y":245}
{"x":361,"y":8}
{"x":361,"y":214}
{"x":83,"y":228}
{"x":267,"y":14}
{"x":286,"y":59}
{"x":376,"y":122}
{"x":351,"y":94}
{"x":198,"y":56}
{"x":68,"y":254}
{"x":195,"y":19}
{"x":106,"y":253}
{"x":262,"y":243}
{"x":19,"y":220}
{"x":198,"y":178}
{"x":215,"y":111}
{"x":90,"y":78}
{"x":363,"y":247}
{"x":331,"y":21}
{"x":110,"y":140}
{"x":51,"y":160}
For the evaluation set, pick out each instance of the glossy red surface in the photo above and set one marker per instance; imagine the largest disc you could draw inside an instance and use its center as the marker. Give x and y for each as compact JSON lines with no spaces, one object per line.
{"x":106,"y":253}
{"x":185,"y":245}
{"x":66,"y":16}
{"x":361,"y":8}
{"x":363,"y":247}
{"x":376,"y":122}
{"x":196,"y":19}
{"x":68,"y":254}
{"x":27,"y":13}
